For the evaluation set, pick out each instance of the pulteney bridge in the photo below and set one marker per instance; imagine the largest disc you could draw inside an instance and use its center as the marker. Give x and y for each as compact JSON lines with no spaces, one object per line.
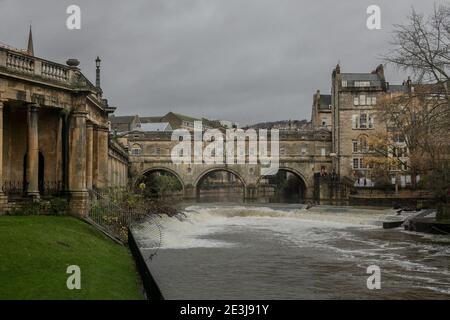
{"x":302,"y":153}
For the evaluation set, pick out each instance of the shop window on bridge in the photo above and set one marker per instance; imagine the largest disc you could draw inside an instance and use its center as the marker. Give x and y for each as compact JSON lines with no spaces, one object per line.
{"x":157,"y":151}
{"x":303,"y":151}
{"x":136,"y":150}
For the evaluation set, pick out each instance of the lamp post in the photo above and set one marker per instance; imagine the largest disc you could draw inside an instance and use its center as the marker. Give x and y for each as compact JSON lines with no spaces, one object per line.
{"x":97,"y":73}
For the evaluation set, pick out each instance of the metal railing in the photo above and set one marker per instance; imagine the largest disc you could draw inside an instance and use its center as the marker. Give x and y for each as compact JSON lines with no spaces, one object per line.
{"x":18,"y":188}
{"x":116,"y":221}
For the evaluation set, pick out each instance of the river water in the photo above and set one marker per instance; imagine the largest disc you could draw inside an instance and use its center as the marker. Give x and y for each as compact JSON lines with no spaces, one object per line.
{"x":289,"y":252}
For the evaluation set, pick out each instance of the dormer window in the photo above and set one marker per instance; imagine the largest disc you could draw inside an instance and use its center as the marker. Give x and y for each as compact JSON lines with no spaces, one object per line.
{"x":362,"y":84}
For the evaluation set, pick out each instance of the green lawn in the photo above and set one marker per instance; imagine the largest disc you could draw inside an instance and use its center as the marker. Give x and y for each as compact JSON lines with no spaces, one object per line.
{"x":35,"y":252}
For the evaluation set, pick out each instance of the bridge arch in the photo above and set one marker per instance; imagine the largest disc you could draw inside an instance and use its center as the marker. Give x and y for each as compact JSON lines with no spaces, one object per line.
{"x":230,"y":191}
{"x":148,"y":171}
{"x":202,"y":175}
{"x":294,"y":171}
{"x":303,"y":182}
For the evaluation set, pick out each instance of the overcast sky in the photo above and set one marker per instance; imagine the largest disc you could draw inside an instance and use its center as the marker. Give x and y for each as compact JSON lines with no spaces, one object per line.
{"x":241,"y":60}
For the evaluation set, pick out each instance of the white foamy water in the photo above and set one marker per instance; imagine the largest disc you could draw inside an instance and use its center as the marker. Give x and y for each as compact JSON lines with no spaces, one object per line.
{"x":232,"y":245}
{"x":188,"y":230}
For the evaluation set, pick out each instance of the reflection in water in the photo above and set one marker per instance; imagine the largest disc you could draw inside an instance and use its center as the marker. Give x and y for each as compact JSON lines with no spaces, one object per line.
{"x":220,"y":186}
{"x":287,"y":252}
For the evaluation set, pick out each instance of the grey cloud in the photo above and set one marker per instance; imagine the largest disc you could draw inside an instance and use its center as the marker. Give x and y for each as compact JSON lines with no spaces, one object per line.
{"x":243,"y":60}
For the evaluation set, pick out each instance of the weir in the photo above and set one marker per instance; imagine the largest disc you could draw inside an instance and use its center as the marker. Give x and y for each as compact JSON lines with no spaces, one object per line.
{"x":289,"y":252}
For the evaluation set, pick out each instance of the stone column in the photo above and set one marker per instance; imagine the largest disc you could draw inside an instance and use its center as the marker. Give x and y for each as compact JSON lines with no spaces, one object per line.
{"x":58,"y":151}
{"x":95,"y":159}
{"x":115,"y":171}
{"x":122,"y":179}
{"x":109,"y":172}
{"x":102,"y":157}
{"x":124,"y":175}
{"x":89,"y":154}
{"x":3,"y":198}
{"x":77,"y":164}
{"x":33,"y":152}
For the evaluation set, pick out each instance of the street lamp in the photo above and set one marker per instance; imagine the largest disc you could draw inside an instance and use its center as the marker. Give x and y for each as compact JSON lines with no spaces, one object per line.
{"x":97,"y":73}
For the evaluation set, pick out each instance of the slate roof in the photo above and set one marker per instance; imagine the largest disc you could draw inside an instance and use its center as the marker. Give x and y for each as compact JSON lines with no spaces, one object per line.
{"x":398,"y":88}
{"x":156,"y":126}
{"x":186,"y":118}
{"x":150,"y":119}
{"x":121,"y":119}
{"x":352,"y":77}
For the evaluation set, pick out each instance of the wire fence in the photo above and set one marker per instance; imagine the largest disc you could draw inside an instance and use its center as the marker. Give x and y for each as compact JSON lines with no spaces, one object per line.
{"x":109,"y":216}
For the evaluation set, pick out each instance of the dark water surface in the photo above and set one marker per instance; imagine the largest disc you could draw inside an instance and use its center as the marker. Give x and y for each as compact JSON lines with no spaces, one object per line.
{"x":285,"y":252}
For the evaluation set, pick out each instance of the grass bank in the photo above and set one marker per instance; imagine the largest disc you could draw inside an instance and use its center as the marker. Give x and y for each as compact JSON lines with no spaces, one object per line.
{"x":35,"y":252}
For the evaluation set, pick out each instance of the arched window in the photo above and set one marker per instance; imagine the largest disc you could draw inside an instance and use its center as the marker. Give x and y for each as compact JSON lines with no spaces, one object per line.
{"x":136,"y":150}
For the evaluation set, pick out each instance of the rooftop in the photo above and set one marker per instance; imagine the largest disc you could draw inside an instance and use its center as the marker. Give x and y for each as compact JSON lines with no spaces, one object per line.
{"x":156,"y":126}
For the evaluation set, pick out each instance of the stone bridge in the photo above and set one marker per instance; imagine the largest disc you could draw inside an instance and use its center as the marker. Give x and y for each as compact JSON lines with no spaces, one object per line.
{"x":301,"y":153}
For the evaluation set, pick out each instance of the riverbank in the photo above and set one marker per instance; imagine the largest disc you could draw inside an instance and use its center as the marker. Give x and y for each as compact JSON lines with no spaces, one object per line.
{"x":35,"y":252}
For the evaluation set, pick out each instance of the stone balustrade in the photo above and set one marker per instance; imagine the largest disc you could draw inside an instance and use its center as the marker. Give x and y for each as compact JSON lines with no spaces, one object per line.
{"x":20,"y":62}
{"x":24,"y":64}
{"x":53,"y":71}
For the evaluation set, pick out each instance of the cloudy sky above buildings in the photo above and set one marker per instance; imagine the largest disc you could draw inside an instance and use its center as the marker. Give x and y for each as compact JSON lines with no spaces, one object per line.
{"x":241,"y":60}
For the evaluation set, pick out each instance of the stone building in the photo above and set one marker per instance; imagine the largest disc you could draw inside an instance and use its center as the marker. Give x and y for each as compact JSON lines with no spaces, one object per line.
{"x":353,"y":97}
{"x":124,"y":123}
{"x":350,"y":113}
{"x":282,"y":125}
{"x":180,"y":121}
{"x":53,"y":130}
{"x":321,"y":116}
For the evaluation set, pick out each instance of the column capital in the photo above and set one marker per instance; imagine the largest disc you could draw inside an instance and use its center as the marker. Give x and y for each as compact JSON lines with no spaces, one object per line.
{"x":33,"y":106}
{"x":101,"y":128}
{"x":80,"y":114}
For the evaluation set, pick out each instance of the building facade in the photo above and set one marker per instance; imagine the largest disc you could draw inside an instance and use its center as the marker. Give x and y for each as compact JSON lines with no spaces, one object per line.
{"x":53,"y":131}
{"x":350,"y":113}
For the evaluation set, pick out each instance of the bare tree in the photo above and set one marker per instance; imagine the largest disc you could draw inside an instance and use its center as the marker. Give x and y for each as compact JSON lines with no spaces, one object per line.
{"x":421,"y":115}
{"x":423,"y":47}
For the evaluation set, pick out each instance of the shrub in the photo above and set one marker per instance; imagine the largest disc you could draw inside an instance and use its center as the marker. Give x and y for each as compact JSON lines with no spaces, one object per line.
{"x":59,"y":206}
{"x":55,"y":206}
{"x":26,"y":209}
